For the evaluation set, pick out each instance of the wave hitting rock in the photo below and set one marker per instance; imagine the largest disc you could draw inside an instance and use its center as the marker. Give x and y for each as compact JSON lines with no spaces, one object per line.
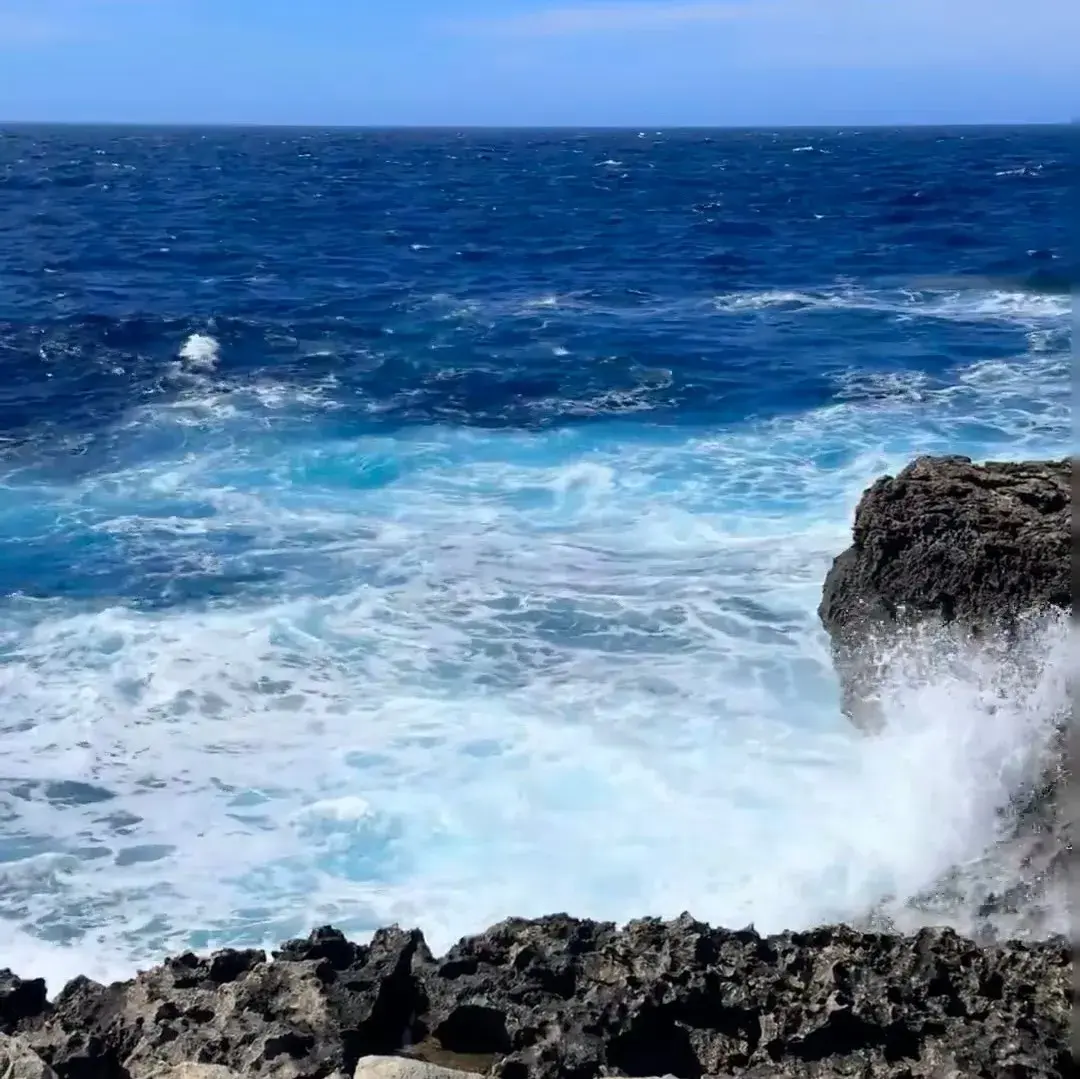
{"x":969,"y":562}
{"x":978,"y":547}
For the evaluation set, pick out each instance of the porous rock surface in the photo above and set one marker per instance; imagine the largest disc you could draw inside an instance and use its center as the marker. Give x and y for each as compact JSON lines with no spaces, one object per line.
{"x":979,"y":546}
{"x":19,"y":1061}
{"x":977,"y":543}
{"x":561,"y":998}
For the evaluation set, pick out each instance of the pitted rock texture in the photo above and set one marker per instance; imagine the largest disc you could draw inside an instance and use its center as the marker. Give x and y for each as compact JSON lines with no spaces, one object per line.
{"x":19,"y":1061}
{"x":946,"y":538}
{"x":561,"y":998}
{"x":313,"y":1011}
{"x":976,"y":546}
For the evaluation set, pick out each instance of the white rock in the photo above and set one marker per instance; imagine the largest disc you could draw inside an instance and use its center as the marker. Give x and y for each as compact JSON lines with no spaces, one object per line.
{"x":404,"y":1068}
{"x":19,"y":1061}
{"x":194,"y":1071}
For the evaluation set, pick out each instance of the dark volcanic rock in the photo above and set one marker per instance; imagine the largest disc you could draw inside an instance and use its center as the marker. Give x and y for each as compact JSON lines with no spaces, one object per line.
{"x":946,"y":537}
{"x":946,"y":540}
{"x":19,"y":1000}
{"x":311,"y":1012}
{"x":560,"y":998}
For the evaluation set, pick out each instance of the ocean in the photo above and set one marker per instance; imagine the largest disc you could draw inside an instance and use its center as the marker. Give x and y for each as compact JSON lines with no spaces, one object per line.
{"x":427,"y":526}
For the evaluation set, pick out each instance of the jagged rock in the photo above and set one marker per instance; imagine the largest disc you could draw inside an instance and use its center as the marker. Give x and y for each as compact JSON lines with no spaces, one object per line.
{"x":19,"y":1061}
{"x":977,"y":543}
{"x":311,"y":1012}
{"x":406,"y":1068}
{"x":949,"y":541}
{"x":19,"y":1000}
{"x":560,"y":998}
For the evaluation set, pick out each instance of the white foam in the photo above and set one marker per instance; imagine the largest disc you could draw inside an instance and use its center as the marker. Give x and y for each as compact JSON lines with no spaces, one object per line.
{"x":200,"y":352}
{"x":529,"y":674}
{"x":962,"y":305}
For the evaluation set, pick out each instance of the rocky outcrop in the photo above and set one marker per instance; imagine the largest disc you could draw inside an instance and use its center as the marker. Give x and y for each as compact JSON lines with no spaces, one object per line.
{"x":978,"y":543}
{"x":955,"y":562}
{"x":313,"y":1013}
{"x":560,"y":998}
{"x":977,"y":547}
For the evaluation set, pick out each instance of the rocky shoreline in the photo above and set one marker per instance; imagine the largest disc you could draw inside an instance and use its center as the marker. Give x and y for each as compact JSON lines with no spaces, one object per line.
{"x":975,"y":549}
{"x":560,"y":998}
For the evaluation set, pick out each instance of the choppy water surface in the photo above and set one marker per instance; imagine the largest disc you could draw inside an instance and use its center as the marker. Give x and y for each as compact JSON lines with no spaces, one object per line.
{"x":428,"y":526}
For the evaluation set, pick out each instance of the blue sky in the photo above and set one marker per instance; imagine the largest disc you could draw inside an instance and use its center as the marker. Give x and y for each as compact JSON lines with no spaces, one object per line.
{"x":587,"y":62}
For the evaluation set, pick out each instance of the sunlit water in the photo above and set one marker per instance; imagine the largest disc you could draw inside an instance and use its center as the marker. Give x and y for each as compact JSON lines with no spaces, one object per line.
{"x":348,"y":576}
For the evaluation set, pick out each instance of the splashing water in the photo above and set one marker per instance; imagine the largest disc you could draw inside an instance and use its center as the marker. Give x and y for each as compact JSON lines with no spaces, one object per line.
{"x":475,"y":674}
{"x":200,"y":352}
{"x":356,"y":636}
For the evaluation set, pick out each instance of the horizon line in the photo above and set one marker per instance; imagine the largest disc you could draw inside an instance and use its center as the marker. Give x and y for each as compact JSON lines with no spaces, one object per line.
{"x":270,"y":126}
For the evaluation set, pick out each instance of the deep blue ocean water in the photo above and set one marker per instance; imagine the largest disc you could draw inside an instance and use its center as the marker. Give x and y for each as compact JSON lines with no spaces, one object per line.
{"x":427,"y":526}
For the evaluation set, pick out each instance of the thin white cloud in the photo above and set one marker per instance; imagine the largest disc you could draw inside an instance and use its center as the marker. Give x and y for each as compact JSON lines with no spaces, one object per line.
{"x":615,"y":16}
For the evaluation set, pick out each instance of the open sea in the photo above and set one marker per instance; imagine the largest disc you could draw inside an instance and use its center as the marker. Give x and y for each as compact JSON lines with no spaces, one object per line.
{"x":427,"y":526}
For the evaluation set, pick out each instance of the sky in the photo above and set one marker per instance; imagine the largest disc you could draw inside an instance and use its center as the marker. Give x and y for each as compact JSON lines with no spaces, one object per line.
{"x":540,"y":62}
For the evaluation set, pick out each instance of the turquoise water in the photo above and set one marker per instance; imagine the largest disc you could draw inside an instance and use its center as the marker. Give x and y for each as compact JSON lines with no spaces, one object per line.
{"x":428,"y":528}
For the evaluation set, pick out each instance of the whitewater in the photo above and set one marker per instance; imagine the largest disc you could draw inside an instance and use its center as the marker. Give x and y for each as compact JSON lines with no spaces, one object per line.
{"x":441,"y":673}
